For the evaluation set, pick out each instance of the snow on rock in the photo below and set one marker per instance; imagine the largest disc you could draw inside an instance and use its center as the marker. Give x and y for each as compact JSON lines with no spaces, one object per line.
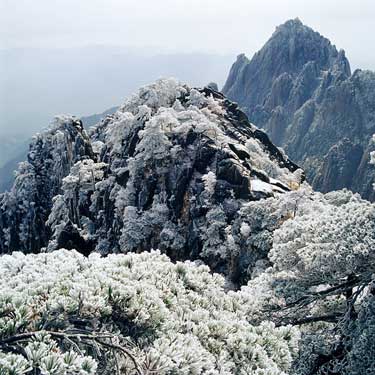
{"x":171,"y":165}
{"x":25,"y":209}
{"x":261,"y":186}
{"x":183,"y":171}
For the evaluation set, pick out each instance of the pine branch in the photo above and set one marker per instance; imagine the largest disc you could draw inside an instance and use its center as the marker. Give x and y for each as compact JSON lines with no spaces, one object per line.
{"x":98,"y":338}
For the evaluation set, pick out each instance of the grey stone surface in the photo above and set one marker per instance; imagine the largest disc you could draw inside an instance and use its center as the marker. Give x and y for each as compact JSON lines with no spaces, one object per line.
{"x":300,"y":89}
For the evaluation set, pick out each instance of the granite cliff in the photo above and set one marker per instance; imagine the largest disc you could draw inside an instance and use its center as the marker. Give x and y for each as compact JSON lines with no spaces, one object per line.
{"x":299,"y":88}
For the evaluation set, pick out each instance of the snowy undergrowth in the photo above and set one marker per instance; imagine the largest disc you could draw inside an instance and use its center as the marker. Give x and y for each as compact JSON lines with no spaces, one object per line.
{"x":181,"y":318}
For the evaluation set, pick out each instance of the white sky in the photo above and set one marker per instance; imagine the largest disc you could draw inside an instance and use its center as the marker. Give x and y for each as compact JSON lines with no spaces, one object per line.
{"x":219,"y":26}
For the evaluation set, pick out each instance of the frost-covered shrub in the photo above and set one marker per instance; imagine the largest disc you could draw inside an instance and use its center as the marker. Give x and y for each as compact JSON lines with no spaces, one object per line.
{"x":209,"y":180}
{"x":162,"y":93}
{"x":154,"y":145}
{"x":178,"y":317}
{"x":330,"y":238}
{"x":361,"y":339}
{"x":320,"y":276}
{"x":42,"y":353}
{"x":321,"y":241}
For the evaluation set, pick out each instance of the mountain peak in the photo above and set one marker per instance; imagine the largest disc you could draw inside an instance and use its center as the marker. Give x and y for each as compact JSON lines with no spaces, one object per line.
{"x":299,"y":88}
{"x":303,"y":42}
{"x":294,"y":50}
{"x":291,"y":24}
{"x":295,"y":26}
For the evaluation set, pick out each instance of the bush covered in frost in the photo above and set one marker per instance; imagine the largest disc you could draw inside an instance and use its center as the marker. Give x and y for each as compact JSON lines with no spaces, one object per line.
{"x":62,"y":313}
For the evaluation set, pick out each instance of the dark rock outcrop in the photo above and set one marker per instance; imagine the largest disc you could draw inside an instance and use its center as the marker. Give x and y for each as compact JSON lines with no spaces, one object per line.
{"x":26,"y":207}
{"x":171,"y":169}
{"x":8,"y":169}
{"x":299,"y":88}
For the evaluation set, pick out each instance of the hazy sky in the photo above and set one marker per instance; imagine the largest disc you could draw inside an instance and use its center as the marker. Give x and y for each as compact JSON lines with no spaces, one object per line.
{"x":219,"y":26}
{"x":37,"y":83}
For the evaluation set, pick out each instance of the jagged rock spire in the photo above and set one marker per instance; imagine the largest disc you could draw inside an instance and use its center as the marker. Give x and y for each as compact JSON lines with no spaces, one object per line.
{"x":25,"y":209}
{"x":299,"y":88}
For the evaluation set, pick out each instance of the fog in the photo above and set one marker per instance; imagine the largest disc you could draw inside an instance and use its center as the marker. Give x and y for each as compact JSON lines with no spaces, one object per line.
{"x":82,"y":57}
{"x":41,"y":82}
{"x":216,"y":26}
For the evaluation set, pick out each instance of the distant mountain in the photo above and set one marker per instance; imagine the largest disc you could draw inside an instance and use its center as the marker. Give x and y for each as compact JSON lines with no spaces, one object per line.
{"x":12,"y":151}
{"x":92,"y":120}
{"x":10,"y":148}
{"x":300,"y":89}
{"x":8,"y":169}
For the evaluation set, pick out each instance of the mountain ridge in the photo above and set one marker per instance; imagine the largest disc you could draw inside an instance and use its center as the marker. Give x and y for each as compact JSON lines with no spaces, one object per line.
{"x":300,"y":89}
{"x":186,"y":155}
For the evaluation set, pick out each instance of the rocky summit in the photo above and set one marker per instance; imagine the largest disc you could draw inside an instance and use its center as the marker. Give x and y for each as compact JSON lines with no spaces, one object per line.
{"x":169,"y":170}
{"x":300,"y":89}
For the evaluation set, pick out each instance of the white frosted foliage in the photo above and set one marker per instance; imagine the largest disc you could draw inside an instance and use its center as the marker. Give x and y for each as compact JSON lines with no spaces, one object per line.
{"x":197,"y":326}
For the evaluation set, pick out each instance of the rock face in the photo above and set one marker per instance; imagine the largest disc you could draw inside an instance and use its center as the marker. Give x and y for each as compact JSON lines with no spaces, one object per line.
{"x":175,"y":168}
{"x":299,"y":88}
{"x":25,"y":208}
{"x":7,"y":170}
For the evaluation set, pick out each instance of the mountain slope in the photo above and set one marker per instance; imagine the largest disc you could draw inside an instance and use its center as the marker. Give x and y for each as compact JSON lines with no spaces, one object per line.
{"x":171,"y":165}
{"x":247,"y":252}
{"x":299,"y":88}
